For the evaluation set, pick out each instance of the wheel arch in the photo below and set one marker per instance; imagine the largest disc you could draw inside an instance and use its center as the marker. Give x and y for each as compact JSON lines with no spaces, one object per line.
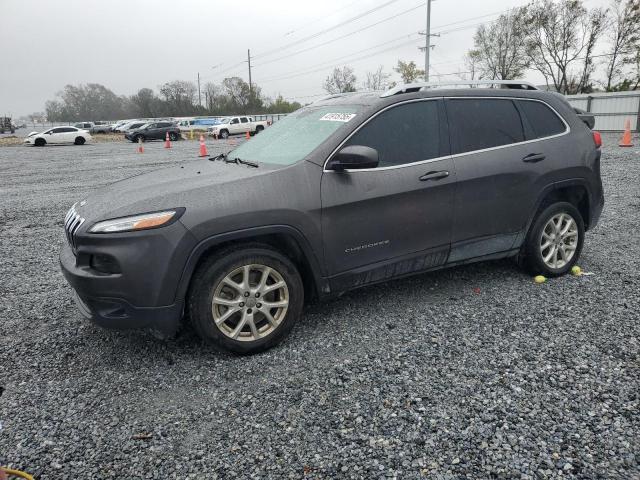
{"x":575,"y":191}
{"x":285,"y":239}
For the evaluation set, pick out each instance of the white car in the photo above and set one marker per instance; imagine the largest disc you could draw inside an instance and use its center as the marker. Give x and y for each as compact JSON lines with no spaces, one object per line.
{"x":58,"y":135}
{"x":236,"y":125}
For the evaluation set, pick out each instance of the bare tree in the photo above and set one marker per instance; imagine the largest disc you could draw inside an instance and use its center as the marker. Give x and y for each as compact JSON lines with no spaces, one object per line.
{"x":408,"y":71}
{"x":341,"y":80}
{"x":378,"y":80}
{"x":499,"y":52}
{"x":471,"y":61}
{"x":623,"y":35}
{"x":561,"y":37}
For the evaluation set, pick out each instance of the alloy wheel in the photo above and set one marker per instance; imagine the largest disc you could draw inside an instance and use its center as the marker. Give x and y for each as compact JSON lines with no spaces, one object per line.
{"x":559,"y":240}
{"x":250,"y":302}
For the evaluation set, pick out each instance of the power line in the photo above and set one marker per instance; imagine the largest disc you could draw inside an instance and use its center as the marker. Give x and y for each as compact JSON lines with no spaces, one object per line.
{"x":326,"y":30}
{"x":333,"y":60}
{"x":342,"y":36}
{"x":344,"y":7}
{"x":354,"y":60}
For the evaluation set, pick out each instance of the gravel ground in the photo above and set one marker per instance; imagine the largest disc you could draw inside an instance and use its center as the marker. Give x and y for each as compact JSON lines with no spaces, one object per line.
{"x":473,"y":372}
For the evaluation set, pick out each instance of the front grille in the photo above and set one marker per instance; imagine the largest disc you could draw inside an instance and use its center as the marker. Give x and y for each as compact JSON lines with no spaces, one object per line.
{"x":72,"y":223}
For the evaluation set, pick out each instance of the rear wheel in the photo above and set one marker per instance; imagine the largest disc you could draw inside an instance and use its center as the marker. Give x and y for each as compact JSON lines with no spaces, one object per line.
{"x":245,"y":300}
{"x":40,"y":142}
{"x":79,"y":141}
{"x":173,"y":136}
{"x":554,"y":242}
{"x":259,"y":128}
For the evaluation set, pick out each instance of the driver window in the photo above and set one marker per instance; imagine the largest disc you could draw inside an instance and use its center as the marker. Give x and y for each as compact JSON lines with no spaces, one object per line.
{"x":406,"y":133}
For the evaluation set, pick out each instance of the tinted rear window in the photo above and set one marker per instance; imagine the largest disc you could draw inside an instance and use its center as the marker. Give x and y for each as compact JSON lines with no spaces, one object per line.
{"x":544,"y":122}
{"x":403,"y":134}
{"x":478,"y":123}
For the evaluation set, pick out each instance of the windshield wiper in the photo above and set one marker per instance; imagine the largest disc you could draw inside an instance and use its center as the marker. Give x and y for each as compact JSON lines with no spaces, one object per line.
{"x":241,"y":162}
{"x":221,"y":156}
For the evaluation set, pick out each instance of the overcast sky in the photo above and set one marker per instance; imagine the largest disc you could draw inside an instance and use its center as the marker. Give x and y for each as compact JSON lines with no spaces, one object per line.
{"x":129,"y":44}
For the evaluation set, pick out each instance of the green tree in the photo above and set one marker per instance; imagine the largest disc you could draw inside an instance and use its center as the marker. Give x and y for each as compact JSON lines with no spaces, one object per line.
{"x":409,"y":72}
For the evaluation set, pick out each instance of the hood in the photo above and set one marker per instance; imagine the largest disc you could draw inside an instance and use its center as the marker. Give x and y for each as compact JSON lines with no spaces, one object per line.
{"x":192,"y":184}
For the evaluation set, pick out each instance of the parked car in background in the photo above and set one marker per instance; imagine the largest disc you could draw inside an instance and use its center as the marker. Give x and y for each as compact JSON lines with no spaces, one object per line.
{"x":349,"y":191}
{"x":59,"y":135}
{"x":132,"y":125}
{"x":227,"y":126}
{"x":101,"y":127}
{"x":153,"y":131}
{"x":187,"y":125}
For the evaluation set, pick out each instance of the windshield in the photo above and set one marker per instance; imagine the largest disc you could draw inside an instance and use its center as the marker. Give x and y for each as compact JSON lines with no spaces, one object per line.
{"x":295,"y":136}
{"x":224,"y":120}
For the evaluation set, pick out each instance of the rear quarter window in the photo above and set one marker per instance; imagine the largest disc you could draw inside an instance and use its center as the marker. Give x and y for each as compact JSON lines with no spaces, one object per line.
{"x":543,"y":121}
{"x":479,"y":123}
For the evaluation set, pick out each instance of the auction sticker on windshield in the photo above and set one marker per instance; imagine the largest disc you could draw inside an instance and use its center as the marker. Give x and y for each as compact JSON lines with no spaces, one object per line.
{"x":337,"y":117}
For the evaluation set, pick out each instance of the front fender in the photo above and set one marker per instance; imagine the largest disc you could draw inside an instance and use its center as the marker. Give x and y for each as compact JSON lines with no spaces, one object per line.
{"x":209,"y":243}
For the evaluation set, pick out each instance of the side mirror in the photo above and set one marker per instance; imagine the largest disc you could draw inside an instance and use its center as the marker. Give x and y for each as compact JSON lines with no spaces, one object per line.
{"x":354,"y":157}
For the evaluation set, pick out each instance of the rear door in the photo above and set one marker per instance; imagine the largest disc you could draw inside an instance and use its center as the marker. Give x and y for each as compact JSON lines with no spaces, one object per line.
{"x":501,"y":171}
{"x":395,"y":219}
{"x":58,"y":135}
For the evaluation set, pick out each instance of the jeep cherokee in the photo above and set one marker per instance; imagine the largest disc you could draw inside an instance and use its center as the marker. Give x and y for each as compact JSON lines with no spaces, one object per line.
{"x":351,"y":190}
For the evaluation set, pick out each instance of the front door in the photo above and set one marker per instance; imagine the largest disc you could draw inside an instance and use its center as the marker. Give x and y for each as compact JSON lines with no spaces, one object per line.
{"x":395,"y":219}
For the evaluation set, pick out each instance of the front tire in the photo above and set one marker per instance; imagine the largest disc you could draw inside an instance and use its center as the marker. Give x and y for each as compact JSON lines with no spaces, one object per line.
{"x":40,"y":142}
{"x":245,"y":300}
{"x":554,"y":242}
{"x":79,"y":141}
{"x":224,"y":134}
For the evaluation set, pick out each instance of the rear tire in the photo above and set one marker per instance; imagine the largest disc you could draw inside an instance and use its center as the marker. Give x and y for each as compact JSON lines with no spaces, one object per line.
{"x":234,"y":314}
{"x":40,"y":142}
{"x":79,"y":141}
{"x":554,"y":241}
{"x":259,"y":128}
{"x":173,"y":136}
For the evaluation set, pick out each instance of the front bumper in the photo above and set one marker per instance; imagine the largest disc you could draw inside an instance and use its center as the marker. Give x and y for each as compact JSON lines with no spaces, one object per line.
{"x":140,"y":291}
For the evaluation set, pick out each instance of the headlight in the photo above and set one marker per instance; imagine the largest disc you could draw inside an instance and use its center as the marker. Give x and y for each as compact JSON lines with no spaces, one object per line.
{"x":135,"y":222}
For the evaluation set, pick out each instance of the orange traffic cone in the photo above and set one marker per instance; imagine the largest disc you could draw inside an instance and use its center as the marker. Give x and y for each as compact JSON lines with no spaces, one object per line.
{"x":626,"y":136}
{"x":248,"y":136}
{"x":140,"y":147}
{"x":203,"y":147}
{"x":167,"y":141}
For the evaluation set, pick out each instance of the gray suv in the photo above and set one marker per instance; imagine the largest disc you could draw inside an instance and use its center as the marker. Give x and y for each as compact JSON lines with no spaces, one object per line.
{"x":351,"y":190}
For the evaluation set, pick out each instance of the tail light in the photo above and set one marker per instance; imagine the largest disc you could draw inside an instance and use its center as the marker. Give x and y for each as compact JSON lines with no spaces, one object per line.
{"x":597,"y":138}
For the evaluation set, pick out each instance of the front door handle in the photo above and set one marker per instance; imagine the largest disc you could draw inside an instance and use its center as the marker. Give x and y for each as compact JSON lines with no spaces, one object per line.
{"x":434,"y":175}
{"x":534,"y":157}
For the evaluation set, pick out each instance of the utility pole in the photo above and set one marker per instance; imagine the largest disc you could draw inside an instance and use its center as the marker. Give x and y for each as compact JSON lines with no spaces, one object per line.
{"x":249,"y":62}
{"x":427,"y":46}
{"x":199,"y":95}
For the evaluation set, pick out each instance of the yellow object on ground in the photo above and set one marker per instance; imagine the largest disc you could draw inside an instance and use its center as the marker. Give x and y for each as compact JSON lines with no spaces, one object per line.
{"x":539,"y":279}
{"x":576,"y":270}
{"x":16,"y":473}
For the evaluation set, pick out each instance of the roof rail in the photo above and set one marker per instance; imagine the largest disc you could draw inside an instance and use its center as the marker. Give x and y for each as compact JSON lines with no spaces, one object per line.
{"x":415,"y":87}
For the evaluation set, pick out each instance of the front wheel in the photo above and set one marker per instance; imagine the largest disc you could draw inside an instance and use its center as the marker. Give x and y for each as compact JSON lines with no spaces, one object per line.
{"x":224,"y":134}
{"x":40,"y":142}
{"x":246,"y":300}
{"x":554,"y":241}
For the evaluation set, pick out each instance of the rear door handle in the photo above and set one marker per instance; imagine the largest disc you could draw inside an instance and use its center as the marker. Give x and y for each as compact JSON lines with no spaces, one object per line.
{"x":434,"y":175}
{"x":534,"y":157}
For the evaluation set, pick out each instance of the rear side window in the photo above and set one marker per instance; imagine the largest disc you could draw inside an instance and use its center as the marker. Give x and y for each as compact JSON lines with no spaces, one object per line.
{"x":543,"y":121}
{"x":479,"y":123}
{"x":244,"y":120}
{"x":403,"y":134}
